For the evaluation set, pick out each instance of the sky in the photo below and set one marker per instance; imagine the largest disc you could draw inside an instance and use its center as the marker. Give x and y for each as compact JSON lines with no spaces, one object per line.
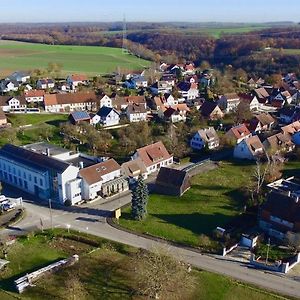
{"x":150,"y":10}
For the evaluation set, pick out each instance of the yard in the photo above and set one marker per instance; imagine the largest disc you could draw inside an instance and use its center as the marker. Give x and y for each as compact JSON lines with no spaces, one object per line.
{"x":74,"y":59}
{"x":103,"y":273}
{"x":214,"y":199}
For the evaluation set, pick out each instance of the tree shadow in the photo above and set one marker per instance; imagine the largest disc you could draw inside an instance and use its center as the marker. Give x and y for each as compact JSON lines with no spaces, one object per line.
{"x":55,"y":123}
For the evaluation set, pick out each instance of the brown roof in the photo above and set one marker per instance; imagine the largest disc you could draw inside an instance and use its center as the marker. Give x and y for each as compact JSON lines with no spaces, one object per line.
{"x":208,"y":134}
{"x":135,"y":99}
{"x":4,"y":100}
{"x":53,"y":99}
{"x":254,"y":144}
{"x":279,"y":140}
{"x":231,"y":96}
{"x":239,"y":131}
{"x":94,"y":173}
{"x":291,"y":128}
{"x":35,"y":93}
{"x":265,"y":119}
{"x":134,"y":168}
{"x":79,"y":77}
{"x":261,"y":93}
{"x":153,"y":154}
{"x":136,"y":108}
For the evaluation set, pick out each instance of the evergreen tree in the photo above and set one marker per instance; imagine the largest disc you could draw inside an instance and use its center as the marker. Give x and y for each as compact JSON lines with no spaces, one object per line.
{"x":139,"y":200}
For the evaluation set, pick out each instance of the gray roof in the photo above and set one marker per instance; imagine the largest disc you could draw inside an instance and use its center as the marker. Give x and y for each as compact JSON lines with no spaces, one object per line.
{"x":32,"y":159}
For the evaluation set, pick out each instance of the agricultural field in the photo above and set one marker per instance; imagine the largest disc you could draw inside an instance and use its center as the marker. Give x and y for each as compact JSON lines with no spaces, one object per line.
{"x":102,"y":272}
{"x":74,"y":59}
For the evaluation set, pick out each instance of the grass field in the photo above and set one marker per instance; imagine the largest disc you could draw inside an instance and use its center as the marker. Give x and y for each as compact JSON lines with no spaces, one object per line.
{"x":75,"y":59}
{"x":214,"y":199}
{"x":104,"y":273}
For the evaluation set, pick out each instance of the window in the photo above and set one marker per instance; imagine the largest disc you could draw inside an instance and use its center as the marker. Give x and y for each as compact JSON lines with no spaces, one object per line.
{"x":35,"y":179}
{"x":25,"y":184}
{"x":29,"y":177}
{"x":41,"y":182}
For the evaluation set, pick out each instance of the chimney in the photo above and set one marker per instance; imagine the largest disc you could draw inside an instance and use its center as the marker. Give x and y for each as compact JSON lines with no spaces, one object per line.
{"x":81,"y":165}
{"x":47,"y":151}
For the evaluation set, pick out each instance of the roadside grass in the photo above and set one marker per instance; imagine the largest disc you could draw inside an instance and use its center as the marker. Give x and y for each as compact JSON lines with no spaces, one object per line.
{"x":104,"y":273}
{"x":92,"y":60}
{"x":214,"y":199}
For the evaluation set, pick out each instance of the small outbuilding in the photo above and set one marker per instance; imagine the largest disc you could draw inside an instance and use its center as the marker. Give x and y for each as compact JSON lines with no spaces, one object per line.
{"x":172,"y":182}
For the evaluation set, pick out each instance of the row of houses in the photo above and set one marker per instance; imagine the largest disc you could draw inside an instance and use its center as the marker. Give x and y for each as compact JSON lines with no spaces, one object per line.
{"x":51,"y":172}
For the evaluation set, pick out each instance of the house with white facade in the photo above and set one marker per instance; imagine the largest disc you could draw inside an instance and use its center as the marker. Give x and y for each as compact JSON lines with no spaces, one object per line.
{"x":188,"y":90}
{"x":45,"y":84}
{"x":261,"y":122}
{"x":238,"y":133}
{"x":9,"y":86}
{"x":39,"y":174}
{"x":250,"y":148}
{"x":175,"y":113}
{"x":10,"y":104}
{"x":104,"y":100}
{"x":77,"y":79}
{"x":20,"y":77}
{"x":136,"y":112}
{"x":34,"y":96}
{"x":106,"y":116}
{"x":206,"y":137}
{"x":102,"y":180}
{"x":133,"y":169}
{"x":83,"y":101}
{"x":161,"y":87}
{"x":154,"y":157}
{"x":229,"y":102}
{"x":250,"y":100}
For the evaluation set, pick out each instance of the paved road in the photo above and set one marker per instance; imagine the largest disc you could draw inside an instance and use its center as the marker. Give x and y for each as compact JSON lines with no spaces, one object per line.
{"x":92,"y":219}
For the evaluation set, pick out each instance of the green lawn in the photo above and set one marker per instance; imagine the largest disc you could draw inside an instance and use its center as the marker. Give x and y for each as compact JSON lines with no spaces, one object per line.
{"x":105,"y":273}
{"x":214,"y":199}
{"x":75,"y":59}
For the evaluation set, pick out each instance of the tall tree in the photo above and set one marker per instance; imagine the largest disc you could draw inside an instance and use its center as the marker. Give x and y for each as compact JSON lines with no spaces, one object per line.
{"x":140,"y":195}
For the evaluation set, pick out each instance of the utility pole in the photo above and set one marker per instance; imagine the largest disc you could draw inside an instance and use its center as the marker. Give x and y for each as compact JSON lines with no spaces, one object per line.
{"x":51,"y":217}
{"x":268,"y":249}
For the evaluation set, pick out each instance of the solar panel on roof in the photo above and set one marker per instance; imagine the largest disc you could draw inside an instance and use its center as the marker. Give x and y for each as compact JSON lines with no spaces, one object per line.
{"x":79,"y":115}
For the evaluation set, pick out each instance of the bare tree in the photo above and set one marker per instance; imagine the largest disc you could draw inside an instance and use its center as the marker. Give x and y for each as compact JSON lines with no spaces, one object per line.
{"x":158,"y":274}
{"x":74,"y":288}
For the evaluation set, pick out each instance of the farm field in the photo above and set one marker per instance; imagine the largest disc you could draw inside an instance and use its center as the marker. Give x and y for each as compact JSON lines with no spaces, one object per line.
{"x":74,"y":59}
{"x":103,"y":270}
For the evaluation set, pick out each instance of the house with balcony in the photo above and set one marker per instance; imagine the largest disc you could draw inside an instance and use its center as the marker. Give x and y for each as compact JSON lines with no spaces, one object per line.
{"x":206,"y":137}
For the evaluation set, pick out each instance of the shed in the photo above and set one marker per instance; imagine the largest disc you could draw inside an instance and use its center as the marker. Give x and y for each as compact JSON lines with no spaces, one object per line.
{"x":172,"y":182}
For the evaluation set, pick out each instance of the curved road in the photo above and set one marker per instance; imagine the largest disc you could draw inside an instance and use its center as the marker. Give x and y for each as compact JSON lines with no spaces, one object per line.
{"x":92,"y":219}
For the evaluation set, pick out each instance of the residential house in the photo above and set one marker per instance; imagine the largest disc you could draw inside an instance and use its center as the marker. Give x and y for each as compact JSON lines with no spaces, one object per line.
{"x":3,"y":119}
{"x":102,"y":180}
{"x":8,"y":86}
{"x":252,"y":83}
{"x":280,"y":212}
{"x":161,"y":87}
{"x":10,"y":104}
{"x":211,"y":110}
{"x":154,"y":157}
{"x":169,"y":79}
{"x":293,"y":130}
{"x":105,"y":101}
{"x":289,"y":114}
{"x":250,"y":148}
{"x":45,"y":84}
{"x":106,"y":116}
{"x":172,"y":182}
{"x":188,"y":90}
{"x":205,"y":138}
{"x":133,"y":169}
{"x":229,"y":102}
{"x":20,"y":77}
{"x":38,"y":174}
{"x":262,"y":95}
{"x":250,"y":100}
{"x":175,"y":113}
{"x":76,"y":80}
{"x":280,"y":97}
{"x":71,"y":102}
{"x":238,"y":133}
{"x":136,"y":112}
{"x":261,"y":122}
{"x":279,"y":143}
{"x":34,"y":96}
{"x":135,"y":82}
{"x":169,"y":100}
{"x":78,"y":117}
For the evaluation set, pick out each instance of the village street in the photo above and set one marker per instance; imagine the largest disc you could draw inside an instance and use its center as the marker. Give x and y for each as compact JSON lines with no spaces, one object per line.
{"x":92,"y":219}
